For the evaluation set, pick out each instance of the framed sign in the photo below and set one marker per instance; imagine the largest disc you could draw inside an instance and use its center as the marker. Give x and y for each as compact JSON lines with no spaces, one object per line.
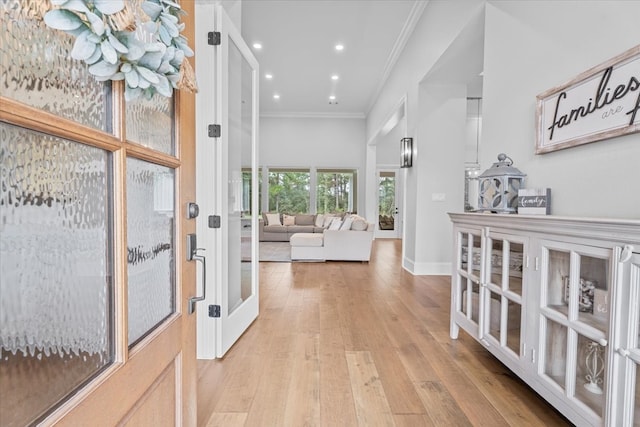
{"x":600,"y":103}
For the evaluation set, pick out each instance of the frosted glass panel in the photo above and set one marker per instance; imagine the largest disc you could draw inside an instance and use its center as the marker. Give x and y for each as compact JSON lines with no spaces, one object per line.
{"x":150,"y":245}
{"x":55,"y":291}
{"x":36,"y":69}
{"x":150,"y":122}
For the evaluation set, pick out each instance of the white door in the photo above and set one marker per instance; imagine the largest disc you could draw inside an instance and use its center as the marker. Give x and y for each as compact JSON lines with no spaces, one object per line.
{"x":388,"y":223}
{"x":226,"y":174}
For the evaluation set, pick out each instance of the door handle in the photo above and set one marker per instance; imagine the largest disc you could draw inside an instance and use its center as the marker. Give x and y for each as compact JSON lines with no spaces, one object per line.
{"x":192,"y":255}
{"x":194,"y":300}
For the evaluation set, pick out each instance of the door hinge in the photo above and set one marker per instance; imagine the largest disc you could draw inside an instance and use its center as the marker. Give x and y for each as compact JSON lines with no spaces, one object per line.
{"x":214,"y":131}
{"x":214,"y":311}
{"x":214,"y":221}
{"x":213,"y":38}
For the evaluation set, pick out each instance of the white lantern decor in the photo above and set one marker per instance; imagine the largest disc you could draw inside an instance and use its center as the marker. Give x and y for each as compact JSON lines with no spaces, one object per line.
{"x":499,"y":186}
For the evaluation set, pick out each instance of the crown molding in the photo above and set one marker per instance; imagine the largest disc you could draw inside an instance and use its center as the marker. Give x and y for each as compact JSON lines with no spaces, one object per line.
{"x":398,"y":47}
{"x":311,"y":115}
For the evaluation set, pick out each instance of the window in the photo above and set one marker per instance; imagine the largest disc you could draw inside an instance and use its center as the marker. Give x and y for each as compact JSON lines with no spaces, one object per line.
{"x":247,"y":191}
{"x":387,"y":193}
{"x":336,"y":190}
{"x":289,"y":190}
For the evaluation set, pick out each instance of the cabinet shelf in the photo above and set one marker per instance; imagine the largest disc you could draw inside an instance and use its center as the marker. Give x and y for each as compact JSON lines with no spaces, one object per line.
{"x":595,"y":322}
{"x":514,"y":283}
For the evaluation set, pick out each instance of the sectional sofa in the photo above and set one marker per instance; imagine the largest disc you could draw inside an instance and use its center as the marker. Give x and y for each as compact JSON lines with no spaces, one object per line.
{"x":280,"y":227}
{"x":333,"y":245}
{"x":330,"y":237}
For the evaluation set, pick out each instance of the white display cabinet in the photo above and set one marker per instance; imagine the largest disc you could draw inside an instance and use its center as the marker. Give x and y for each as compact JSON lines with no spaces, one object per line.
{"x":626,"y":341}
{"x":557,"y":300}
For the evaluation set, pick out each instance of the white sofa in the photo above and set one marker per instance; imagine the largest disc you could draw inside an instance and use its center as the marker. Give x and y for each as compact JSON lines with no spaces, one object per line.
{"x":333,"y":245}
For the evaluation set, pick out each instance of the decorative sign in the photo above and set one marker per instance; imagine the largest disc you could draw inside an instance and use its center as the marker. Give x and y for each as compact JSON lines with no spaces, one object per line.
{"x":600,"y":103}
{"x":534,"y":201}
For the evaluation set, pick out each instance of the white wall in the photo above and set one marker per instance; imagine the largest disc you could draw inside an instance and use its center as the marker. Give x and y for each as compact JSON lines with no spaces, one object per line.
{"x":436,"y":30}
{"x":531,"y":47}
{"x":388,"y":147}
{"x":442,"y":135}
{"x":314,"y":143}
{"x":436,"y":119}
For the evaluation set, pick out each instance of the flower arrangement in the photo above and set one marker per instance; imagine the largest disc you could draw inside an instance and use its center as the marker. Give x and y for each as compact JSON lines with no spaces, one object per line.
{"x":138,"y":42}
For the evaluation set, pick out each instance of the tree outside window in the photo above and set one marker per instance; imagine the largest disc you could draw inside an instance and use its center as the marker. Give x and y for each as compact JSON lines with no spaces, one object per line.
{"x":289,"y":191}
{"x":247,"y":192}
{"x":387,"y":194}
{"x":335,"y":190}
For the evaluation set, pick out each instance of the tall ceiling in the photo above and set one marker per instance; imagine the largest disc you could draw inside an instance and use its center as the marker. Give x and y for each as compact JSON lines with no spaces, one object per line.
{"x":298,"y":39}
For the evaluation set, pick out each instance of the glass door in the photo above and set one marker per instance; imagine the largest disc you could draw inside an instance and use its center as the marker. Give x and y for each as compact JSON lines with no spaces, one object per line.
{"x":575,"y":323}
{"x":503,"y":312}
{"x":466,"y":286}
{"x":625,"y":395}
{"x":388,"y":224}
{"x":227,"y":173}
{"x":633,"y":373}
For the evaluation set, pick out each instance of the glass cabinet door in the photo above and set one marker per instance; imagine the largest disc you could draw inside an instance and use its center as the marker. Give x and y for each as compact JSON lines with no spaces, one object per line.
{"x":626,"y":400}
{"x":468,"y":274}
{"x":575,"y":322}
{"x":502,"y":314}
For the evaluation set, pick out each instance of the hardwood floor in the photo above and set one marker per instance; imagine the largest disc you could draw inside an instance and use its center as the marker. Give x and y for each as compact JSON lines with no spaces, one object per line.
{"x":360,"y":344}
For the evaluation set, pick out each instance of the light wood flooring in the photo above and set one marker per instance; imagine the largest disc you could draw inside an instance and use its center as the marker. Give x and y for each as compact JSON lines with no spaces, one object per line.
{"x":360,"y":344}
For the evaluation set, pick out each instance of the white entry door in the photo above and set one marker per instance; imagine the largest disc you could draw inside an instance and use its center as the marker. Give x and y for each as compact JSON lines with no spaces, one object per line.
{"x":226,"y":167}
{"x":388,"y":224}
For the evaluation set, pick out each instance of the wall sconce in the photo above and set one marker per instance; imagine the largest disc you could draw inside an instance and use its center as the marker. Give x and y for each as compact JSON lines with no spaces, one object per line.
{"x":406,"y":152}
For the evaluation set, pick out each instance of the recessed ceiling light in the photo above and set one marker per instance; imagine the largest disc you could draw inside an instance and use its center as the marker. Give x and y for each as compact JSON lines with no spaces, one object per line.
{"x":257,"y":46}
{"x":268,"y":76}
{"x":332,"y":97}
{"x":339,"y":47}
{"x":276,"y":96}
{"x":335,"y":77}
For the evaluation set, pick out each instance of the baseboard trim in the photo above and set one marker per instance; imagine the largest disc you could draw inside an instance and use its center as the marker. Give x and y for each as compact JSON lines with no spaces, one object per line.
{"x":426,"y":268}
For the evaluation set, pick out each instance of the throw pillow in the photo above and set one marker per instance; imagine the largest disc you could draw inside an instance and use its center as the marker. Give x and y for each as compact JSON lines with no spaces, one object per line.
{"x":273,"y":219}
{"x":288,"y":220}
{"x":359,"y":225}
{"x":327,"y":220}
{"x":305,"y":219}
{"x":335,"y":224}
{"x":320,"y":220}
{"x":346,"y":225}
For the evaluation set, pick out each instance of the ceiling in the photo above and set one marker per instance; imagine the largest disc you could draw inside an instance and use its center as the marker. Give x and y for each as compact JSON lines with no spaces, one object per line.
{"x":298,"y":40}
